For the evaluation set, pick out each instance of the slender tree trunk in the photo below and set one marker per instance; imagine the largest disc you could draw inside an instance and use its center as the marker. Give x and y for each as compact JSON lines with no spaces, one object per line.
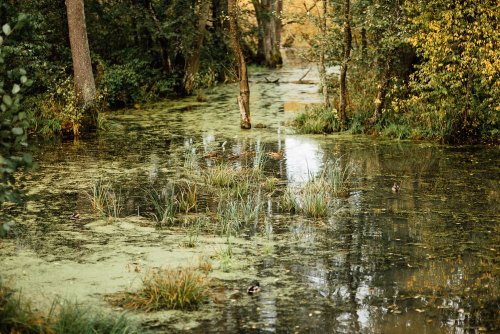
{"x":244,"y":97}
{"x":345,"y":61}
{"x":82,"y":65}
{"x":193,"y":62}
{"x":322,"y":65}
{"x":382,"y":90}
{"x":364,"y":44}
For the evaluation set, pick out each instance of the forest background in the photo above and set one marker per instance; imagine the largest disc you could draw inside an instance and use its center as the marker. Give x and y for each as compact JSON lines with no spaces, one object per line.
{"x":408,"y":69}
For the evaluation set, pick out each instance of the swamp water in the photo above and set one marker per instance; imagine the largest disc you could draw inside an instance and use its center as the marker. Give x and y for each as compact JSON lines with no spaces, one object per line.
{"x":421,"y":260}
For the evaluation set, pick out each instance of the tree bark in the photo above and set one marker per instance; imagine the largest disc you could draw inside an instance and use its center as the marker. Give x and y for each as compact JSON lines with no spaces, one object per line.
{"x":322,"y":65}
{"x":382,"y":90}
{"x":244,"y":97}
{"x":343,"y":68}
{"x":364,"y":44}
{"x":193,"y":61}
{"x":82,"y":65}
{"x":268,"y":13}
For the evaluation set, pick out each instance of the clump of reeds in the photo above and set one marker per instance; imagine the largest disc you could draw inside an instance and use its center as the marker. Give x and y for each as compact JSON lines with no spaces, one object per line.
{"x":315,"y":200}
{"x":166,"y":289}
{"x":187,"y":197}
{"x":105,"y":200}
{"x":225,"y":258}
{"x":319,"y":194}
{"x":221,"y":175}
{"x":163,"y":204}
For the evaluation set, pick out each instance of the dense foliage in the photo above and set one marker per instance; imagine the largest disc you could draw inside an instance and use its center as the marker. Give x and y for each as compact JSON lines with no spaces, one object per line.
{"x":13,"y":126}
{"x":419,"y":69}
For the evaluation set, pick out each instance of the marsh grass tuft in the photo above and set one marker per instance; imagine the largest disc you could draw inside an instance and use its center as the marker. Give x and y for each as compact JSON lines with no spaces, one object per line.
{"x":288,"y":202}
{"x":163,"y":204}
{"x":225,"y":258}
{"x":166,"y":289}
{"x":114,"y":204}
{"x":105,"y":200}
{"x":205,"y":265}
{"x":260,"y":158}
{"x":336,"y":176}
{"x":233,"y":212}
{"x":315,"y":200}
{"x":98,"y":195}
{"x":186,"y":197}
{"x":222,"y":175}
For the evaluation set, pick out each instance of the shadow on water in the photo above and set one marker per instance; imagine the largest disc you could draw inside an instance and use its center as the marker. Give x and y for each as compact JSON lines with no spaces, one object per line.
{"x":421,"y":260}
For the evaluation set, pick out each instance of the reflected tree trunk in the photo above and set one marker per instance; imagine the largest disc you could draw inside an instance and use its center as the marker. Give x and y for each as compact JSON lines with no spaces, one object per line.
{"x":82,"y":65}
{"x":268,"y":15}
{"x":343,"y":67}
{"x":193,"y":61}
{"x":244,"y":97}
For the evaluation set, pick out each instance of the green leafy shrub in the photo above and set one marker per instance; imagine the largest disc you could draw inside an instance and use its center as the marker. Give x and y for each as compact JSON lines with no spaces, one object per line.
{"x":122,"y":84}
{"x":316,"y":120}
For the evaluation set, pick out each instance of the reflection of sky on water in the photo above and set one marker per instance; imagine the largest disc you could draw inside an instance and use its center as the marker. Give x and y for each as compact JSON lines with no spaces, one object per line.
{"x":303,"y":157}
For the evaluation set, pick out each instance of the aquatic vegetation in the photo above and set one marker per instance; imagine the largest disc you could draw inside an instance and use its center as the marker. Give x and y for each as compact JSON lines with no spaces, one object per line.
{"x":166,"y":289}
{"x":233,"y":212}
{"x":270,"y":184}
{"x":190,"y":157}
{"x":187,"y":197}
{"x":259,"y":159}
{"x":228,"y":218}
{"x":250,"y":207}
{"x":205,"y":265}
{"x":315,"y":200}
{"x":98,"y":195}
{"x":225,"y":258}
{"x":192,"y":236}
{"x":222,"y":175}
{"x":17,"y":316}
{"x":105,"y":200}
{"x":288,"y":201}
{"x":337,"y":175}
{"x":114,"y":204}
{"x":163,"y":203}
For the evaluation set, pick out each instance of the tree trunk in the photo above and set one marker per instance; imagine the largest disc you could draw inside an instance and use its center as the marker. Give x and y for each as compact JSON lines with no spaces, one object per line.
{"x":345,"y":61}
{"x":322,"y":65}
{"x":382,"y":90}
{"x":364,"y":44}
{"x":193,"y":62}
{"x":268,"y":15}
{"x":82,"y":65}
{"x":244,"y":97}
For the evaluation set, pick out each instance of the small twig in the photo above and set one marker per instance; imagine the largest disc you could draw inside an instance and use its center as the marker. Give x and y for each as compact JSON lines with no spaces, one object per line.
{"x":309,"y":70}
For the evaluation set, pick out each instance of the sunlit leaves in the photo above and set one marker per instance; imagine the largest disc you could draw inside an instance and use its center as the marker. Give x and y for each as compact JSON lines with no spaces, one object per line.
{"x":458,"y":43}
{"x":6,"y":29}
